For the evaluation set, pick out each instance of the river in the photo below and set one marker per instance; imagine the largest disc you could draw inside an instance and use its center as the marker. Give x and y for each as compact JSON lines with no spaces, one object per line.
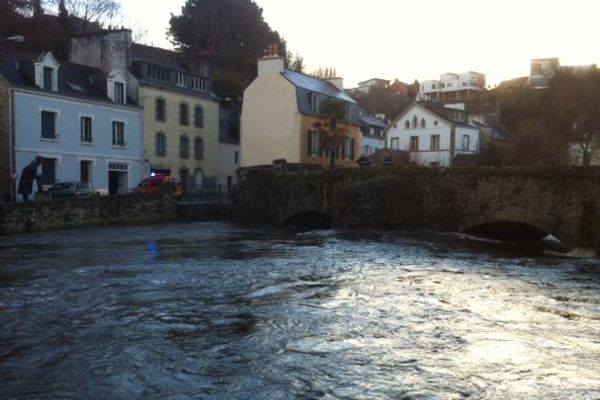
{"x":216,"y":311}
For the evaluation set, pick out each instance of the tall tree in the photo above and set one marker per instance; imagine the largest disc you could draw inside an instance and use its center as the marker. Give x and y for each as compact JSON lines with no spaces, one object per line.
{"x":100,"y":12}
{"x":572,"y":113}
{"x":229,"y":35}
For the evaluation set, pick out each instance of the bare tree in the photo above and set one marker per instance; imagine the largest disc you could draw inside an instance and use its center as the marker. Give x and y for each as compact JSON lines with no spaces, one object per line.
{"x":102,"y":12}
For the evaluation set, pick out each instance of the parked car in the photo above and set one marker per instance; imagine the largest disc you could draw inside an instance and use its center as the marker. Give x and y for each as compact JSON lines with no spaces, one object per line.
{"x":156,"y":183}
{"x":70,"y":189}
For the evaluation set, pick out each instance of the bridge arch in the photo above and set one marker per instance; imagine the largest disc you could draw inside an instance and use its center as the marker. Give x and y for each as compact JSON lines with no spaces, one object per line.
{"x":311,"y":219}
{"x":510,"y":231}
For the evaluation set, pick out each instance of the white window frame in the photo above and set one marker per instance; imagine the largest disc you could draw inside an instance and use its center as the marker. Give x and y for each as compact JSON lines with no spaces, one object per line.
{"x":56,"y":123}
{"x":124,"y":124}
{"x":91,"y":118}
{"x":413,"y":143}
{"x":315,"y":143}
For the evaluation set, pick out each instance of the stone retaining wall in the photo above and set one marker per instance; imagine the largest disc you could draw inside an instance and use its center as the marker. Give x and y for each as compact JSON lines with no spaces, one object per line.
{"x":134,"y":208}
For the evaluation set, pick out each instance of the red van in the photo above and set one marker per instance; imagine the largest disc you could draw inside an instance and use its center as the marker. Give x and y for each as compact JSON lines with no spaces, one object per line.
{"x":159,"y":182}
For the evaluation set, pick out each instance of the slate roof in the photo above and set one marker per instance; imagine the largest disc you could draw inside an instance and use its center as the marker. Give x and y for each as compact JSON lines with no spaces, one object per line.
{"x":307,"y":85}
{"x":317,"y":85}
{"x":372,"y":121}
{"x":499,"y":132}
{"x":148,"y":55}
{"x":74,"y":80}
{"x":157,"y":55}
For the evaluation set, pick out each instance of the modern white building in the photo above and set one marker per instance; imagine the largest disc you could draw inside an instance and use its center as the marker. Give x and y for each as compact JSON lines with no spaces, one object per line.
{"x":433,"y":134}
{"x":452,"y":87}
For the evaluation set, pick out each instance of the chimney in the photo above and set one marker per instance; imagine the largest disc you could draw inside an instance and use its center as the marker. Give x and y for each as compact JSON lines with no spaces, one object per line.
{"x":105,"y":50}
{"x":271,"y":63}
{"x":331,"y":77}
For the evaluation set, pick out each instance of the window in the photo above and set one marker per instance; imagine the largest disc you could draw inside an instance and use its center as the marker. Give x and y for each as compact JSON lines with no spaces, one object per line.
{"x":466,"y":142}
{"x":395,"y":143}
{"x":184,"y":147}
{"x":314,"y":143}
{"x":118,"y":133}
{"x":159,"y":73}
{"x":415,"y":122}
{"x":184,"y":114}
{"x":414,"y":143}
{"x":423,"y":123}
{"x":236,"y":157}
{"x":435,"y":142}
{"x":85,"y":171}
{"x":180,"y":79}
{"x":119,"y":92}
{"x":86,"y":130}
{"x":48,"y":125}
{"x":199,"y":117}
{"x":161,"y":144}
{"x":48,"y":75}
{"x":199,"y":148}
{"x":160,"y":109}
{"x":198,"y":83}
{"x":348,"y":150}
{"x":407,"y":124}
{"x":313,"y":102}
{"x":48,"y":171}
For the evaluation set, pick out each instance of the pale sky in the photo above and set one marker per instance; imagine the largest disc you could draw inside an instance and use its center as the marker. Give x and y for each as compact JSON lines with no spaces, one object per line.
{"x":417,"y":39}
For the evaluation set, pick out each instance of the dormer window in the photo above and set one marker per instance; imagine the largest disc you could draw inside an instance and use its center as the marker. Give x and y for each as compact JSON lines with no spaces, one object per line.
{"x":48,"y":75}
{"x":180,"y":79}
{"x":313,"y":102}
{"x":46,"y":72}
{"x":117,"y":87}
{"x":198,"y":83}
{"x":119,"y":92}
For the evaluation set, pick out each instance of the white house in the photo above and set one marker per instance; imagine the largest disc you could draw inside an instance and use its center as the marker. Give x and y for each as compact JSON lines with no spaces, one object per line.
{"x":433,"y":134}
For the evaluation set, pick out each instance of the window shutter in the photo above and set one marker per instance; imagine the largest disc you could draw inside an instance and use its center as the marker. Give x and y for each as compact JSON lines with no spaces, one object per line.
{"x":309,"y":141}
{"x":352,"y":149}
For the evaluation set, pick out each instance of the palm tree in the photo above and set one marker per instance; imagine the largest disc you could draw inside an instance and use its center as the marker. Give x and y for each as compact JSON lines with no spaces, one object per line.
{"x":330,"y":113}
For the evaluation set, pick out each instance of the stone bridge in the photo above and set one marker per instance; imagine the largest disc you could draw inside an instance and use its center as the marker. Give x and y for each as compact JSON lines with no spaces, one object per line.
{"x":495,"y":203}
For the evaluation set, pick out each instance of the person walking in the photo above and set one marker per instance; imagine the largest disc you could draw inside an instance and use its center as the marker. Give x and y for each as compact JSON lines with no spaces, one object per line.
{"x":28,"y":175}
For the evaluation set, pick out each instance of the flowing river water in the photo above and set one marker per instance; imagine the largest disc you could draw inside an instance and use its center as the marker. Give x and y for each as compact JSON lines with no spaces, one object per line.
{"x":216,"y":311}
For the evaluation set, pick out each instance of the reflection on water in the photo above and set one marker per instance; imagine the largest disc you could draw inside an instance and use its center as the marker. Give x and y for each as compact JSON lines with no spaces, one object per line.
{"x":214,"y":311}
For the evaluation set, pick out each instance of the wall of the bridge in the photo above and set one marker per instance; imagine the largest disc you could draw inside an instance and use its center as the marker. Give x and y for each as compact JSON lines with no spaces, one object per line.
{"x":564,"y":202}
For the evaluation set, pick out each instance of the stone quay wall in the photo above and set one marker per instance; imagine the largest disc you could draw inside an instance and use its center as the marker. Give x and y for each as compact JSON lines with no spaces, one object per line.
{"x":127,"y":209}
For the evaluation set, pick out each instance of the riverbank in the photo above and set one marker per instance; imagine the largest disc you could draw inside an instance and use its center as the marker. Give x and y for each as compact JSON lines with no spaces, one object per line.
{"x":128,"y":209}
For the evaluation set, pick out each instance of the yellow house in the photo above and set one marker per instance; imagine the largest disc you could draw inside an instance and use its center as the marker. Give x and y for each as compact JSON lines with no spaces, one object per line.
{"x":281,"y":114}
{"x":181,"y":118}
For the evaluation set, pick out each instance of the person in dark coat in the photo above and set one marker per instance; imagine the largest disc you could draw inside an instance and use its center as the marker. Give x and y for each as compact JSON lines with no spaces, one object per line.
{"x":28,"y":175}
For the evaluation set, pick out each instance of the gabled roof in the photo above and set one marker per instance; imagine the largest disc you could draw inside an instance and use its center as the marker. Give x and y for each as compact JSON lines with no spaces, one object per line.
{"x":74,"y":80}
{"x":316,"y":85}
{"x":435,"y":108}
